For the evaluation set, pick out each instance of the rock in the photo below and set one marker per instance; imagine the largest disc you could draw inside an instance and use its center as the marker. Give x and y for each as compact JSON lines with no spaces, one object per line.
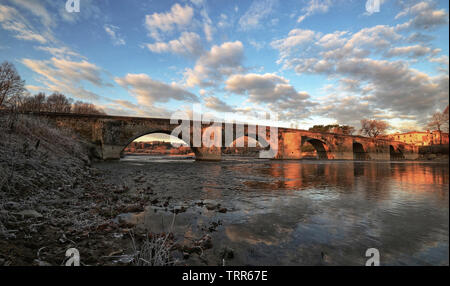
{"x":126,"y":221}
{"x":211,"y":207}
{"x":200,"y":203}
{"x":30,"y":214}
{"x":205,"y":242}
{"x":133,"y":209}
{"x":179,"y":209}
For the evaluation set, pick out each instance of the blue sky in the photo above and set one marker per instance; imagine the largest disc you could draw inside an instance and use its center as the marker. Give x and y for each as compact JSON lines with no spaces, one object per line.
{"x":310,"y":61}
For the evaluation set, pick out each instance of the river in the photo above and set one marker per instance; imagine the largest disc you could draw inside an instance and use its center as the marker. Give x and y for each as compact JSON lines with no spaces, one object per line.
{"x":299,"y":212}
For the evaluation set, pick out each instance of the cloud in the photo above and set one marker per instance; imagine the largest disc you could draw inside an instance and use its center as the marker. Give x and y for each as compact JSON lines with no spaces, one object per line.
{"x":295,"y":39}
{"x":148,"y":91}
{"x":37,"y":9}
{"x":315,"y":7}
{"x":369,"y":82}
{"x":67,"y":76}
{"x":117,"y":39}
{"x":11,"y":20}
{"x":263,"y":88}
{"x":443,"y":60}
{"x":218,"y":104}
{"x":258,"y":10}
{"x":178,"y":17}
{"x":213,"y":65}
{"x":223,"y":22}
{"x":424,"y":15}
{"x":415,"y":51}
{"x":188,"y":44}
{"x":59,"y":52}
{"x":124,"y":107}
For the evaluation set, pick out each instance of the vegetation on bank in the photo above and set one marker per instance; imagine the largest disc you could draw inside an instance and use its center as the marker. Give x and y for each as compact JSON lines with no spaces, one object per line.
{"x":15,"y":97}
{"x":52,"y":200}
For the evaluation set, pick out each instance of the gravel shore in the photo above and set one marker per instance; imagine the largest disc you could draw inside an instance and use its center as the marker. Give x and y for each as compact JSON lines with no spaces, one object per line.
{"x":52,"y":199}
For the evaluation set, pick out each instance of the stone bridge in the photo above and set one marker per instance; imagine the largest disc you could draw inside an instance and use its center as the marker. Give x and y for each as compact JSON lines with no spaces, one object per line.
{"x":109,"y":135}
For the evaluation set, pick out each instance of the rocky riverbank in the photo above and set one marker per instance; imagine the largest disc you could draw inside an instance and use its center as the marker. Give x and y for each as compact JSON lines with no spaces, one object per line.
{"x":52,"y":199}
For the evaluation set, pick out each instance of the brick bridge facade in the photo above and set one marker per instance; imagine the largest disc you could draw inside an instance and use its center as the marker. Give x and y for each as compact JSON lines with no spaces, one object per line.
{"x":109,"y":135}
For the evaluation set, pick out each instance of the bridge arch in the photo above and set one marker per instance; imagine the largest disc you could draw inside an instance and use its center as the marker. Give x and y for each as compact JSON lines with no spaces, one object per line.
{"x":235,"y":147}
{"x":359,"y":153}
{"x":259,"y":140}
{"x":396,"y":153}
{"x":155,"y":131}
{"x":320,"y":146}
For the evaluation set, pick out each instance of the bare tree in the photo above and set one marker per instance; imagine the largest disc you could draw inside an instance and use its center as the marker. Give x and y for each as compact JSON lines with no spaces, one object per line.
{"x":86,"y":108}
{"x":334,"y":128}
{"x":439,"y":121}
{"x":445,"y":126}
{"x":11,"y":85}
{"x":373,"y":128}
{"x":58,"y":102}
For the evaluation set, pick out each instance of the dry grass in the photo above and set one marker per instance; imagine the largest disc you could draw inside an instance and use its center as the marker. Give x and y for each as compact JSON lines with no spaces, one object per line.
{"x":154,"y":250}
{"x":32,"y":149}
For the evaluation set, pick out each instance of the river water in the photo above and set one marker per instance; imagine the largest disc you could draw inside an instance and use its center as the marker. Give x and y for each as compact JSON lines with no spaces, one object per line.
{"x":301,"y":212}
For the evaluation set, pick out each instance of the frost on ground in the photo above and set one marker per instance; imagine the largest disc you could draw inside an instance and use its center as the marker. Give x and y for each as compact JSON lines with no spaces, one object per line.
{"x":51,"y":200}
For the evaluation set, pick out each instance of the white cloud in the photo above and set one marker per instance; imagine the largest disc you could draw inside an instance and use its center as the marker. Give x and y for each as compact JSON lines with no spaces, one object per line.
{"x":148,"y":91}
{"x":208,"y":27}
{"x":424,"y":15}
{"x":67,"y":76}
{"x":11,"y":20}
{"x":59,"y":52}
{"x":37,"y":9}
{"x":372,"y":83}
{"x":112,"y":31}
{"x":296,"y":38}
{"x":212,"y":66}
{"x":263,"y":88}
{"x":124,"y":107}
{"x":223,"y":22}
{"x":188,"y":44}
{"x":258,"y":10}
{"x":315,"y":7}
{"x":178,"y":17}
{"x":441,"y":60}
{"x":414,"y":51}
{"x":218,"y":104}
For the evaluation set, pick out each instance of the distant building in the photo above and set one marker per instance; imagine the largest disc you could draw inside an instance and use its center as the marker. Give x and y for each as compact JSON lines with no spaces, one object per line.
{"x":420,"y":138}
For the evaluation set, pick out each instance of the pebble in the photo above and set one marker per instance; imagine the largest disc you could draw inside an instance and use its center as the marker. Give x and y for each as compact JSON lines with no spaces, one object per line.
{"x":30,"y":214}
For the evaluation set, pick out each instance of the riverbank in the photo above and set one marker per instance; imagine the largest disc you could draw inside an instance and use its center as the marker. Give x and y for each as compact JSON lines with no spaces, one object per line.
{"x":52,"y":199}
{"x":239,"y":211}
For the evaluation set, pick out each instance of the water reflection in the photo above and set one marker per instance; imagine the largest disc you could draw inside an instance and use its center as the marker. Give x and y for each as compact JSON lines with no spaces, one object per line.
{"x":313,"y":212}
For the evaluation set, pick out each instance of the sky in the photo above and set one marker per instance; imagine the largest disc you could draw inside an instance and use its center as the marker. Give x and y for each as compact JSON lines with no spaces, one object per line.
{"x":308,"y":61}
